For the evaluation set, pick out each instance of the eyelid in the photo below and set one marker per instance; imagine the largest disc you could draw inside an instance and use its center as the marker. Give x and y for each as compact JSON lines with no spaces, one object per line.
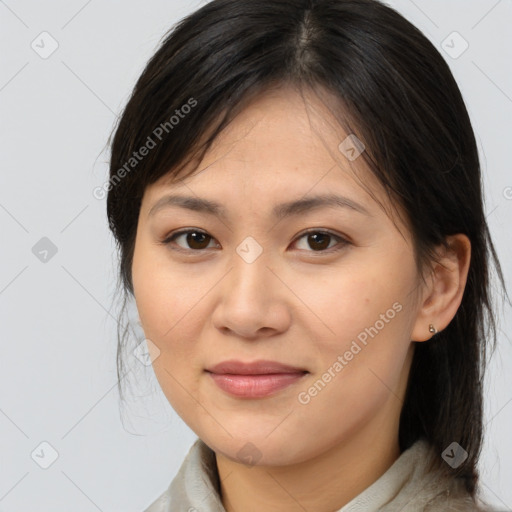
{"x":342,"y":240}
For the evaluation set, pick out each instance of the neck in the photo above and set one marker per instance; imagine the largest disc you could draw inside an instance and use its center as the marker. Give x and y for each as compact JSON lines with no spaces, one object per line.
{"x":326,"y":483}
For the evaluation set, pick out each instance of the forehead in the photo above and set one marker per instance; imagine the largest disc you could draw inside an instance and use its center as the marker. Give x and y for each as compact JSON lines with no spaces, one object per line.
{"x":283,"y":144}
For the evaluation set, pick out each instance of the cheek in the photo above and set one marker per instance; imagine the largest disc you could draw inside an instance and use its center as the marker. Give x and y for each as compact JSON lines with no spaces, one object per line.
{"x":164,"y":295}
{"x":350,"y":301}
{"x":173,"y":310}
{"x":168,"y":306}
{"x":365,"y":318}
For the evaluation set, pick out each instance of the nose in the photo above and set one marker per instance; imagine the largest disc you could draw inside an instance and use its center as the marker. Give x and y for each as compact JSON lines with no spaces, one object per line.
{"x":252,"y":301}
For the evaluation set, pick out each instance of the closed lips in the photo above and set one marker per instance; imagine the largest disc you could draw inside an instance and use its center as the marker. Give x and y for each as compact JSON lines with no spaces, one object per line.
{"x":255,"y":380}
{"x":260,"y":367}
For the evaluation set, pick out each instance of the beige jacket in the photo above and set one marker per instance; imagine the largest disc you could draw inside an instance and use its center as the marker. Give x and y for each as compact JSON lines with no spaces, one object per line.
{"x":404,"y":487}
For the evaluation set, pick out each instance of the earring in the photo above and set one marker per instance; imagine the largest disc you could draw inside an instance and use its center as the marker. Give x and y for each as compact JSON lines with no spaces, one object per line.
{"x":432,"y":329}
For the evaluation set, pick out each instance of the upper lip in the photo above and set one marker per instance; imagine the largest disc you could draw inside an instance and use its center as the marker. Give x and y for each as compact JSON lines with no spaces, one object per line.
{"x":261,"y":367}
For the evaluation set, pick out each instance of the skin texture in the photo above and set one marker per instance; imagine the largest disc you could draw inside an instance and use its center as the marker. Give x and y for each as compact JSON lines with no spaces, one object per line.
{"x":293,"y":304}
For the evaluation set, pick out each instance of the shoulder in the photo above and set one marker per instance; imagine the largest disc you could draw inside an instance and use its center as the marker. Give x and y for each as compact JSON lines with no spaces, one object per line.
{"x":461,"y":502}
{"x":440,"y":491}
{"x":195,"y":487}
{"x":458,"y":504}
{"x":430,"y":487}
{"x":161,"y":504}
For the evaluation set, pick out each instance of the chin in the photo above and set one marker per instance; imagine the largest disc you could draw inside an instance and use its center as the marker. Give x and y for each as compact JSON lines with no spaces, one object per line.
{"x":258,"y":449}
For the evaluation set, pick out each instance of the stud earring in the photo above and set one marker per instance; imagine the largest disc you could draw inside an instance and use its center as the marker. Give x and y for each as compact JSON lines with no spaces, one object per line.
{"x":432,"y":329}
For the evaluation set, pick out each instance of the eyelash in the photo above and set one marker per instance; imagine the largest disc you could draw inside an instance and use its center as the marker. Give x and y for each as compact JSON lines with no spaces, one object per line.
{"x":342,"y":242}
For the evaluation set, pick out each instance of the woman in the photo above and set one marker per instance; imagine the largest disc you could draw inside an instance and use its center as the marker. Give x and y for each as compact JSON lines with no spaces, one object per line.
{"x":295,"y":193}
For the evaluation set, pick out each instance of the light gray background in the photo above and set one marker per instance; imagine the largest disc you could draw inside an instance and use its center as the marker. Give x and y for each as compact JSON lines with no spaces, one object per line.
{"x":57,"y":374}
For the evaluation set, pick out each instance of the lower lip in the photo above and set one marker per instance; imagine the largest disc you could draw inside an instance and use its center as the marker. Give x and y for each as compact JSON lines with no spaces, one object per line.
{"x":255,"y":386}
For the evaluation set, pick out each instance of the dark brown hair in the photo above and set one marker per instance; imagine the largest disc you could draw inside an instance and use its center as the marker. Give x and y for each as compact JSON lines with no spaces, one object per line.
{"x":397,"y":95}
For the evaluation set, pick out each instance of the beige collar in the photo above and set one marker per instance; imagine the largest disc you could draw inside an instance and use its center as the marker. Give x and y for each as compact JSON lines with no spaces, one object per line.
{"x":406,"y":486}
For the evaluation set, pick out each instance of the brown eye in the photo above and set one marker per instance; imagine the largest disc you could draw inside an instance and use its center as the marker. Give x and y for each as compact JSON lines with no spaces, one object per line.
{"x":195,"y":240}
{"x":321,"y":241}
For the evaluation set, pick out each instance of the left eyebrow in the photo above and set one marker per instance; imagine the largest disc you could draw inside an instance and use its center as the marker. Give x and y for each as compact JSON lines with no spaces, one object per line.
{"x":280,"y":211}
{"x":320,"y":201}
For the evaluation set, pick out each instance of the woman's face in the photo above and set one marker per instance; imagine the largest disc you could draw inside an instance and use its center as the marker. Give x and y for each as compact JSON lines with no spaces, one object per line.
{"x":249,"y":284}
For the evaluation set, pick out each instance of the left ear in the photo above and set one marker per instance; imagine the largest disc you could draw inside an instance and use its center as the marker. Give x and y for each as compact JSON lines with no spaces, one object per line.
{"x":445,"y":287}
